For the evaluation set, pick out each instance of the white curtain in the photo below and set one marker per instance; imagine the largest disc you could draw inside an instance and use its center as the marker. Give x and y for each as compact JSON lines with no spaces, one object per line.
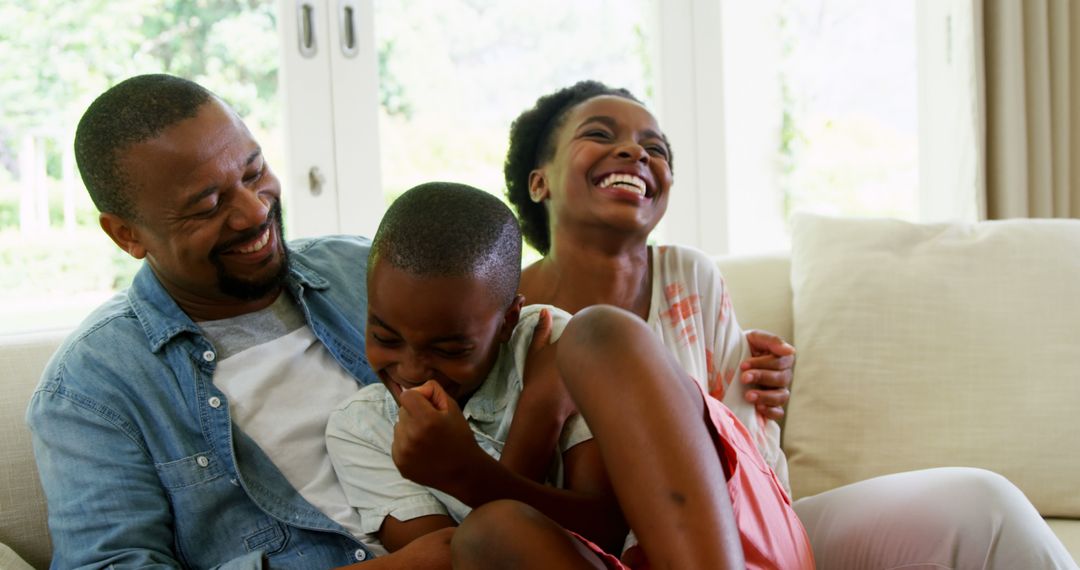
{"x":1028,"y":85}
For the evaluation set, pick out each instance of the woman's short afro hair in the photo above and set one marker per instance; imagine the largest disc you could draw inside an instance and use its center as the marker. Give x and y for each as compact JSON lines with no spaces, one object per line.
{"x":532,"y":145}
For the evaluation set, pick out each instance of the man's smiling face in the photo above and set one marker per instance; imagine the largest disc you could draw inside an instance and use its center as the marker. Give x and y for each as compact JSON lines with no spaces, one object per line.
{"x":208,"y":213}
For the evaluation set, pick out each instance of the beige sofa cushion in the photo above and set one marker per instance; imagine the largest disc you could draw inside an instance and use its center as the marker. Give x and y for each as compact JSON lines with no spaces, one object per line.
{"x":1068,"y":530}
{"x":760,"y":288}
{"x":933,"y":345}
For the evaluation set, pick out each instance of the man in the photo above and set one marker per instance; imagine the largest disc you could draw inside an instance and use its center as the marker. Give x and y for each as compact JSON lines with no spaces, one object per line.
{"x":182,"y":423}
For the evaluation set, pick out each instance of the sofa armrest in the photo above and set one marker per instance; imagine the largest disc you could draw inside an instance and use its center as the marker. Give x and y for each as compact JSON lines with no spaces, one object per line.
{"x":23,"y":525}
{"x":11,"y":561}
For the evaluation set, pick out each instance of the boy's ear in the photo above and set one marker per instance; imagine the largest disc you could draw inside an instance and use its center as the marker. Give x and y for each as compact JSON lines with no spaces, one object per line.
{"x":538,"y":186}
{"x":510,"y":318}
{"x":123,"y":233}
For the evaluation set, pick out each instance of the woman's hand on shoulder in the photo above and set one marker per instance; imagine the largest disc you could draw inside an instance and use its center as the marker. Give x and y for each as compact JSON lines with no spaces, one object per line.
{"x":542,"y":409}
{"x":768,"y":373}
{"x":542,"y":380}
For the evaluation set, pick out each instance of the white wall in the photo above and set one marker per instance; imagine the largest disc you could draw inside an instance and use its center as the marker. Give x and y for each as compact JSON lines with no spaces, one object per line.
{"x":690,"y":107}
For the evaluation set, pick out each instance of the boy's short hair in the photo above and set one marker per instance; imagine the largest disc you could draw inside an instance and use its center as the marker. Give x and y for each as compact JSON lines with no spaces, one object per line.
{"x":132,"y":111}
{"x":445,"y":229}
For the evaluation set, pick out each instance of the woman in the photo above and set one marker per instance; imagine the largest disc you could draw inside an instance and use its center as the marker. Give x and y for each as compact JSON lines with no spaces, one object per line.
{"x":589,"y":211}
{"x":589,"y":172}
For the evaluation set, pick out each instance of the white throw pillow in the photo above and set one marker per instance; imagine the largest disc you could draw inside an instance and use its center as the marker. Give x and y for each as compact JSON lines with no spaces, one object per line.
{"x":934,"y":345}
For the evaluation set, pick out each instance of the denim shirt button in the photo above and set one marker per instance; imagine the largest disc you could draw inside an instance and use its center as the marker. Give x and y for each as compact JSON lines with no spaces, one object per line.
{"x":202,"y":461}
{"x":360,"y":555}
{"x":214,"y":402}
{"x":209,"y":356}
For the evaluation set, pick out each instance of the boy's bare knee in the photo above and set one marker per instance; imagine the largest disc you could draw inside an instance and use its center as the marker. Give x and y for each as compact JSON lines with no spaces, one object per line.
{"x":482,"y":536}
{"x":484,"y":524}
{"x":495,"y":517}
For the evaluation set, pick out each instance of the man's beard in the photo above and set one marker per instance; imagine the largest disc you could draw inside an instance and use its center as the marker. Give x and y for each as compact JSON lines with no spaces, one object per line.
{"x":246,"y":289}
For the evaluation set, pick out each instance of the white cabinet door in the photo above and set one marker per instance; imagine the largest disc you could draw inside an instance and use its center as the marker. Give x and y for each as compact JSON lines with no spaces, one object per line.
{"x":329,"y":86}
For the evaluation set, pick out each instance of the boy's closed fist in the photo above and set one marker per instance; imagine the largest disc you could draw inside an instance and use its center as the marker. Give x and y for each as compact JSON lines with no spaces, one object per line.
{"x":433,"y":444}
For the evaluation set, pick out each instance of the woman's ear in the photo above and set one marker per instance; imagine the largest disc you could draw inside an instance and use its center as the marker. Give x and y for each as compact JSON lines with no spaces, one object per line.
{"x":538,"y":186}
{"x":510,"y":318}
{"x":123,"y":233}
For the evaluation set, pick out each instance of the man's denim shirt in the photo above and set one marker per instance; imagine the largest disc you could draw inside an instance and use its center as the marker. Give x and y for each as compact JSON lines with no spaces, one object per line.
{"x":140,"y":462}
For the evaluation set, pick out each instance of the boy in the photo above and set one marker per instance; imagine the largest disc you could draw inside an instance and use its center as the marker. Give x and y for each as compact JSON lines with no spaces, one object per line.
{"x":418,"y":452}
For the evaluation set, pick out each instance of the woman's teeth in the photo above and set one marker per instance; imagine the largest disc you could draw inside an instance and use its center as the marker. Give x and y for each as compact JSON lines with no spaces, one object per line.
{"x":625,"y":181}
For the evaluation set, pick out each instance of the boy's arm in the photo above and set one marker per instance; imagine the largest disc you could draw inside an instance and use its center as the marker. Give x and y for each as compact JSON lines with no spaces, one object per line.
{"x":541,"y":412}
{"x":392,"y":508}
{"x":585,"y":473}
{"x":430,"y":551}
{"x":434,"y":446}
{"x":396,"y":534}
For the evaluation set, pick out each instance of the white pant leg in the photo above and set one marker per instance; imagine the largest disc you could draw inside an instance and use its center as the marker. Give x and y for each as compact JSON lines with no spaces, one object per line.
{"x":953,"y":517}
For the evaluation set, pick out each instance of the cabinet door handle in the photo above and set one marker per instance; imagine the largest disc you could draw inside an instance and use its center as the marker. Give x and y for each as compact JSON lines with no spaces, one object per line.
{"x":305,"y":28}
{"x":347,"y":23}
{"x":316,"y":180}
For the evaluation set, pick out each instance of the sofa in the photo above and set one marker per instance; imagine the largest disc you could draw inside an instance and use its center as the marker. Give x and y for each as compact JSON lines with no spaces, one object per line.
{"x":919,"y":346}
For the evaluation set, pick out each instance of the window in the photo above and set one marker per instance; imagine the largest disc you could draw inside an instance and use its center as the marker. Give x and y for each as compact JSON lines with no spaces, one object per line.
{"x":447,"y":77}
{"x":455,"y":73}
{"x":821,"y":105}
{"x":55,"y":262}
{"x":773,"y":106}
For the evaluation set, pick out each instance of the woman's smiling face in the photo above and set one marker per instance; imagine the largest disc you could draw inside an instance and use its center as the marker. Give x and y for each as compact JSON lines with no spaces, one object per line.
{"x":611,"y":168}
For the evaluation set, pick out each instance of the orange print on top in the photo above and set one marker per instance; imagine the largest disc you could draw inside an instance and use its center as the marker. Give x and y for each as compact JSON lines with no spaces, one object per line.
{"x":713,"y":379}
{"x":717,"y":381}
{"x":682,"y":310}
{"x":725,"y":308}
{"x":673,"y":291}
{"x":728,"y":377}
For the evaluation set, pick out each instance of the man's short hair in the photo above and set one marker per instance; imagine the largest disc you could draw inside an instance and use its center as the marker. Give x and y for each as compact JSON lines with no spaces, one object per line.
{"x":134,"y":110}
{"x":444,"y":229}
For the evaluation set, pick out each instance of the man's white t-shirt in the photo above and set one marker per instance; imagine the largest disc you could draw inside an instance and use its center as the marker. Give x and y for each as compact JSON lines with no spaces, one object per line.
{"x":281,"y":385}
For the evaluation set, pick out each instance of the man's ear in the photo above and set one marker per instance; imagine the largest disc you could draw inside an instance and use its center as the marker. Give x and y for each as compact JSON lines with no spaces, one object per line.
{"x":123,"y":233}
{"x":538,"y":186}
{"x":510,"y":318}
